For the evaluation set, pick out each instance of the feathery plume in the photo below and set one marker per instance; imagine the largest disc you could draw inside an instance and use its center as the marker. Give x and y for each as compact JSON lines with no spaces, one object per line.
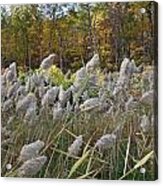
{"x":90,"y":104}
{"x":106,"y":142}
{"x":75,"y":147}
{"x":50,"y":96}
{"x":32,"y":166}
{"x":48,"y":61}
{"x":7,"y":105}
{"x":31,"y":150}
{"x":26,"y":102}
{"x":145,"y":123}
{"x":147,"y":98}
{"x":57,"y":113}
{"x":93,"y":63}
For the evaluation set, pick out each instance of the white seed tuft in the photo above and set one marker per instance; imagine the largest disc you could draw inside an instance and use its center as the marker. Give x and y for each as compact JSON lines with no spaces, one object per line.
{"x":145,"y":123}
{"x":32,"y":166}
{"x":75,"y":147}
{"x":31,"y":150}
{"x":105,"y":142}
{"x":47,"y":62}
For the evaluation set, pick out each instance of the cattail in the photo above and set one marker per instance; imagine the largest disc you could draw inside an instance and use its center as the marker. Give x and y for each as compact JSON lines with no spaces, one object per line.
{"x":93,"y":63}
{"x":145,"y":123}
{"x":48,"y":61}
{"x":147,"y":98}
{"x":32,"y":166}
{"x":31,"y":150}
{"x":75,"y":147}
{"x":106,"y":142}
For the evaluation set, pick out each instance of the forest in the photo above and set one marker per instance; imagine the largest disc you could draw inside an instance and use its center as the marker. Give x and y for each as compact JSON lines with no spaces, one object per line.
{"x":75,"y":31}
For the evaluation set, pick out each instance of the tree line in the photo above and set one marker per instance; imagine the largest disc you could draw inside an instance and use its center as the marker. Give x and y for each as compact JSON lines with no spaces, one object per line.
{"x":75,"y":31}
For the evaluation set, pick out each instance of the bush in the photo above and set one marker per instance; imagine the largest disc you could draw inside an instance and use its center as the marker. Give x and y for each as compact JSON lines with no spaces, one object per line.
{"x":58,"y":78}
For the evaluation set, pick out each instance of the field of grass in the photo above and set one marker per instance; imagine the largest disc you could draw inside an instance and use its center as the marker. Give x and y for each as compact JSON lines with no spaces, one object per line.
{"x":81,"y":144}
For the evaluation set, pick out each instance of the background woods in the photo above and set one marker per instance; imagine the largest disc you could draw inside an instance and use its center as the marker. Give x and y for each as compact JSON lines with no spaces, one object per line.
{"x":75,"y":31}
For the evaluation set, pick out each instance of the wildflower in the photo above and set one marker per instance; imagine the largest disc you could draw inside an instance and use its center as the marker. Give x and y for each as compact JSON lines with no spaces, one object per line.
{"x":145,"y":123}
{"x":32,"y":166}
{"x":31,"y":150}
{"x":105,"y":142}
{"x":75,"y":147}
{"x":48,"y":61}
{"x":93,"y":63}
